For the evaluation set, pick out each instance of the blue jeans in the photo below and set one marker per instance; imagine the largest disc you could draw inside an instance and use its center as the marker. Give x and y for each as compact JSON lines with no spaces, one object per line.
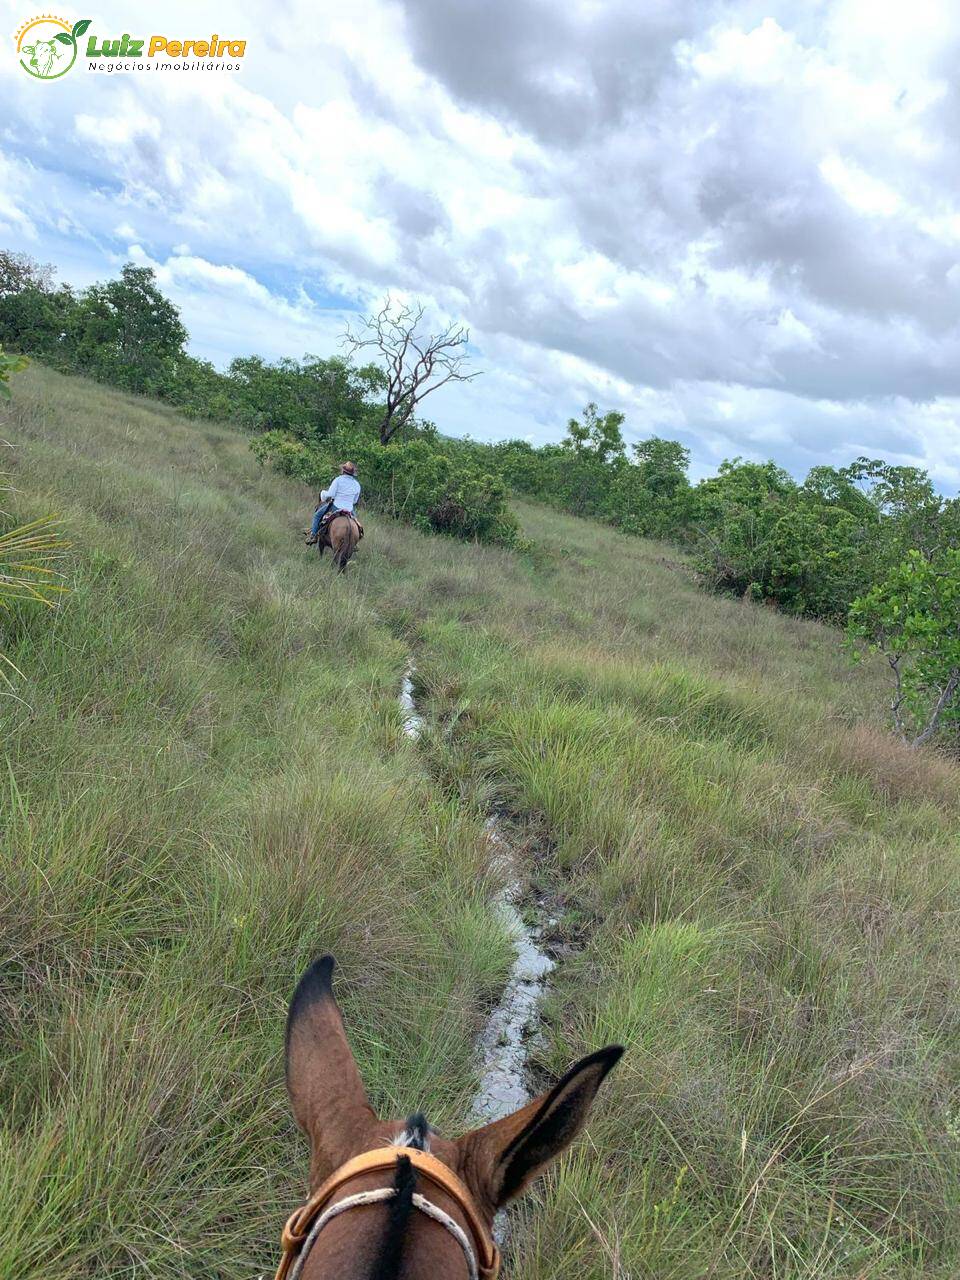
{"x":318,"y":515}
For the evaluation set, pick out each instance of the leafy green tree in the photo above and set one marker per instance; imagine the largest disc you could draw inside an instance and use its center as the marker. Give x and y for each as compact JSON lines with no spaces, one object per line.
{"x":735,"y":514}
{"x":912,"y":617}
{"x":662,"y":465}
{"x":651,"y":497}
{"x":522,"y":467}
{"x":201,"y":391}
{"x":37,"y":320}
{"x":815,"y":563}
{"x":907,"y":510}
{"x":835,"y":487}
{"x":127,"y":333}
{"x":312,"y":398}
{"x":596,"y":438}
{"x":894,"y":491}
{"x":949,"y":523}
{"x":580,"y":473}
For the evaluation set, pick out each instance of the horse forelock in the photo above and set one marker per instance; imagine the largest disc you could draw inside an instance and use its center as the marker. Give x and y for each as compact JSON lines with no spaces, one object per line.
{"x":415,"y":1133}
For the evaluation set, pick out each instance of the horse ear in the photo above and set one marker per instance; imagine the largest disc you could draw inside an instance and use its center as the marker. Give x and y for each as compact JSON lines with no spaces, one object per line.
{"x":326,"y":1092}
{"x":499,"y":1160}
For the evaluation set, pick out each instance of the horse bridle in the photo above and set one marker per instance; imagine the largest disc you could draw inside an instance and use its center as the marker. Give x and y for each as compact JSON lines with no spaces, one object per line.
{"x":305,"y":1224}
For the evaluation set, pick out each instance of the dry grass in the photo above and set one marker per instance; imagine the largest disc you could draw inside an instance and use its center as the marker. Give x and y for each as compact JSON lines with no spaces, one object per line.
{"x":895,"y":771}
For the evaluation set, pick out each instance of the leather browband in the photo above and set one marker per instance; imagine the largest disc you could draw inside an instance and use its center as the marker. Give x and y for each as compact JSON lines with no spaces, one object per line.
{"x":384,"y":1159}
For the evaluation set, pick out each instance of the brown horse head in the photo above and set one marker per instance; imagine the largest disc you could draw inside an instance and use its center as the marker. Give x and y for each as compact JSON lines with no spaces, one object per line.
{"x":420,"y":1206}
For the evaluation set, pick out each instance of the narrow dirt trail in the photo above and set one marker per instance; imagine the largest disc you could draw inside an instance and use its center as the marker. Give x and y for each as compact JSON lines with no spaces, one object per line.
{"x":511,"y":1028}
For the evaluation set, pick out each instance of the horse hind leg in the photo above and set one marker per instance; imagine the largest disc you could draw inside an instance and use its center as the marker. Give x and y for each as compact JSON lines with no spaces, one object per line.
{"x":343,"y":552}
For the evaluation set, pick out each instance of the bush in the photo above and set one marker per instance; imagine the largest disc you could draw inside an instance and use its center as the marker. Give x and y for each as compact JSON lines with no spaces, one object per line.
{"x":8,"y":365}
{"x":590,"y":475}
{"x":414,"y":481}
{"x":913,"y":617}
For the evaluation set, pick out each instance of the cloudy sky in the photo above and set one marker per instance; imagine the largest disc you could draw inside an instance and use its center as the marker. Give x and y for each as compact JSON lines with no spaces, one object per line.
{"x":737,"y":222}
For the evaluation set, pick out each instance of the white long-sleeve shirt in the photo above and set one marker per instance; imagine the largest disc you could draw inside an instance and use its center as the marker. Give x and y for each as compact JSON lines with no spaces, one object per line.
{"x":345,"y":492}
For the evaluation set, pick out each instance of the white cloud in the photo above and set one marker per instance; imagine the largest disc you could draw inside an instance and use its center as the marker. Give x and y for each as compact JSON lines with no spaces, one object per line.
{"x":861,"y":191}
{"x":237,"y":315}
{"x":14,"y":219}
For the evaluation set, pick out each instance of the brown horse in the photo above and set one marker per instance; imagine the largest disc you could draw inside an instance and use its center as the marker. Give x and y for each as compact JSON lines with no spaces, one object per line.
{"x":393,"y":1200}
{"x":341,"y":534}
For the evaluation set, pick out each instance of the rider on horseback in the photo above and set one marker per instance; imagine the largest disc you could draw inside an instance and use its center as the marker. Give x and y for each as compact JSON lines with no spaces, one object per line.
{"x":342,"y":495}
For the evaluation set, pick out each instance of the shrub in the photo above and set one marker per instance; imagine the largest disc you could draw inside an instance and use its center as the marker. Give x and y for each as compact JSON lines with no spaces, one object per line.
{"x":913,"y":617}
{"x":736,"y":514}
{"x":414,"y":481}
{"x":8,"y":365}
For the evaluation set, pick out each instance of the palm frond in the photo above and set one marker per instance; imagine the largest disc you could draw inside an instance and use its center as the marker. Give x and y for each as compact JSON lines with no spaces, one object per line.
{"x":27,"y":556}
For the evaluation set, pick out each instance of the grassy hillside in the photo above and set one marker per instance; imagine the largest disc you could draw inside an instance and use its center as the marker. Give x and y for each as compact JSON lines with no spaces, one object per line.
{"x":207,"y":783}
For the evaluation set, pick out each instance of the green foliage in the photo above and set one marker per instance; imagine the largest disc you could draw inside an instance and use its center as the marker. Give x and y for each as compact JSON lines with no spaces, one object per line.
{"x":8,"y":365}
{"x":311,"y":398}
{"x":912,"y":616}
{"x":589,"y":474}
{"x":127,"y":333}
{"x":123,"y":331}
{"x":38,"y":320}
{"x":201,"y":391}
{"x":595,"y":437}
{"x":653,"y":497}
{"x":415,"y":481}
{"x":815,"y":560}
{"x":813,"y":548}
{"x":737,"y":515}
{"x":19,"y":270}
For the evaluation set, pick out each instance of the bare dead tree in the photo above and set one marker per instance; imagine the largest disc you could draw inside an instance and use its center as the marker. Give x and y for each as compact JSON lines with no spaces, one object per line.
{"x":415,"y":364}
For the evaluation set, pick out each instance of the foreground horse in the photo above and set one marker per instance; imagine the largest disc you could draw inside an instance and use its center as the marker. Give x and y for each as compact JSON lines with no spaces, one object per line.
{"x":342,"y":535}
{"x":394,"y":1201}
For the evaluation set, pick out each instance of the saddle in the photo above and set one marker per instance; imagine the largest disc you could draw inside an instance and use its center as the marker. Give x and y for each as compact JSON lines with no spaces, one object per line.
{"x":332,"y":515}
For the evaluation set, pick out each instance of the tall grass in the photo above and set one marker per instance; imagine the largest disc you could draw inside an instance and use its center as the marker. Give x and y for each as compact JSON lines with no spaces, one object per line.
{"x":764,"y":894}
{"x":206,"y":782}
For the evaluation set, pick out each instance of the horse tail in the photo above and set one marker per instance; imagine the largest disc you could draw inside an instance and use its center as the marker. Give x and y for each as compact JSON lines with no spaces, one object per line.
{"x":346,"y":546}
